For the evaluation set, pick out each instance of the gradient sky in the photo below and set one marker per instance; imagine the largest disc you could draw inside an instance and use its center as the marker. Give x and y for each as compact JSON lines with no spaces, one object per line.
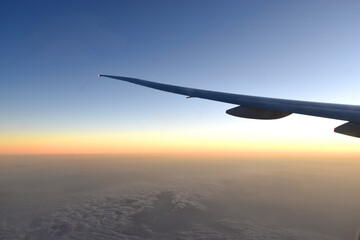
{"x":51,"y":100}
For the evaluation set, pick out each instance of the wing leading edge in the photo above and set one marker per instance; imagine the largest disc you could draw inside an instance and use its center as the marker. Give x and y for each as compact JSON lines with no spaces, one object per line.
{"x":265,"y":108}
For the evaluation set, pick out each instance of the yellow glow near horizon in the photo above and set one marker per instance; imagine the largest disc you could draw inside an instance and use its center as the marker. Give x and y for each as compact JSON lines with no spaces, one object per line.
{"x":171,"y":143}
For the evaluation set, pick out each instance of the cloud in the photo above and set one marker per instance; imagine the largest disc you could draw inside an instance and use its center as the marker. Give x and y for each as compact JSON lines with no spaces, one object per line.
{"x":126,"y":200}
{"x":169,"y":211}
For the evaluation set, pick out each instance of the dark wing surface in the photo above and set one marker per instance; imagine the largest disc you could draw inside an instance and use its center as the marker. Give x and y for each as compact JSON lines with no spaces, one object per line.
{"x":265,"y":108}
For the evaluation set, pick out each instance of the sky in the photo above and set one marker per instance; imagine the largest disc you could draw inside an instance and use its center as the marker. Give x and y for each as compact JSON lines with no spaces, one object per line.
{"x":52,"y":101}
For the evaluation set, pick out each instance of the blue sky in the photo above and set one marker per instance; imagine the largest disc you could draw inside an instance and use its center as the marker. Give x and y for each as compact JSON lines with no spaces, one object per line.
{"x":52,"y":51}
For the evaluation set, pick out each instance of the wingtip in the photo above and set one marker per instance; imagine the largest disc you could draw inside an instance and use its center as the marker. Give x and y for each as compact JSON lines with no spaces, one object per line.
{"x":99,"y":75}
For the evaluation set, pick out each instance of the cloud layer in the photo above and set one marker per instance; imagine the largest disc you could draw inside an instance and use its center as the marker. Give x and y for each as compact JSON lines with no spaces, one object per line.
{"x":149,"y":213}
{"x":133,"y":199}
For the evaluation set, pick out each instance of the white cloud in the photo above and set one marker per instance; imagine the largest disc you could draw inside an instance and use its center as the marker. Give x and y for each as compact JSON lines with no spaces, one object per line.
{"x":174,"y":210}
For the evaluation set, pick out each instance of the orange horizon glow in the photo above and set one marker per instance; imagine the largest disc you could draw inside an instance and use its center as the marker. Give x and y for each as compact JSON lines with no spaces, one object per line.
{"x":169,"y":145}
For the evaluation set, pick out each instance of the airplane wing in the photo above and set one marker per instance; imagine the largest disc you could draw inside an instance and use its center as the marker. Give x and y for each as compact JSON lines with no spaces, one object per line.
{"x":265,"y":108}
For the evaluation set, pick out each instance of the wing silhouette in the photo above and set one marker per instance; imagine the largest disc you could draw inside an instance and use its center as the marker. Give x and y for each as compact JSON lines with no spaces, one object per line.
{"x":265,"y":108}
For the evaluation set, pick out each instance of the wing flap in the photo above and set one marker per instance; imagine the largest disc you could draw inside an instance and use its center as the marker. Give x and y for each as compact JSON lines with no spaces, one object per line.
{"x":256,"y":113}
